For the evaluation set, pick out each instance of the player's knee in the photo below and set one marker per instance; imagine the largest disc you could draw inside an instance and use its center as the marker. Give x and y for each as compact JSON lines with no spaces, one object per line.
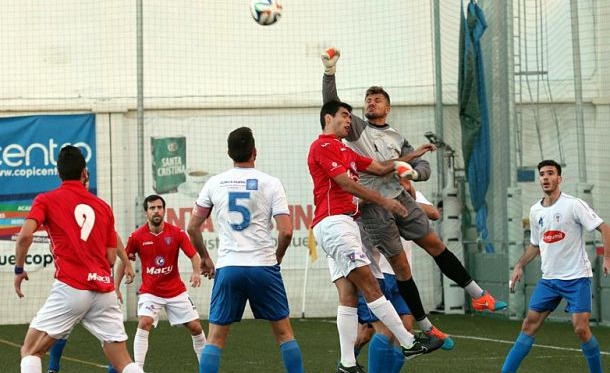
{"x":145,"y":323}
{"x":582,"y":331}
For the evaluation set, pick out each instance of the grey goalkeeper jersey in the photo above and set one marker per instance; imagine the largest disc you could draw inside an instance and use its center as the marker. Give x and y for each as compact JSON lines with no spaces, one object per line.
{"x":379,"y":143}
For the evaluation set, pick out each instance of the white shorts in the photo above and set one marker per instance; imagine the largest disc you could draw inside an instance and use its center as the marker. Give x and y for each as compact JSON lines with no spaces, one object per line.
{"x":66,"y":306}
{"x":339,"y":237}
{"x":179,"y":309}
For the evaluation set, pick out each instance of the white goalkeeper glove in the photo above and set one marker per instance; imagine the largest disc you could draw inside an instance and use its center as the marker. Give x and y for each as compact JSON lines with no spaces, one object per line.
{"x":329,"y":59}
{"x":403,"y":169}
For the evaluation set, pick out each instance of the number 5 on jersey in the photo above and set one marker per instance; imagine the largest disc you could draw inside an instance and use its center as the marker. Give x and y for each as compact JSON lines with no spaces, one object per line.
{"x":234,"y":206}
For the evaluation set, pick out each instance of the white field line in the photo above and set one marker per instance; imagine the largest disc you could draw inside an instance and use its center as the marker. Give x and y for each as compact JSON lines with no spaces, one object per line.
{"x":64,"y":357}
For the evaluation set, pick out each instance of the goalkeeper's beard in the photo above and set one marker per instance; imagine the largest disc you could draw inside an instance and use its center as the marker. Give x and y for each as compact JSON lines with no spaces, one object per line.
{"x":372,"y":116}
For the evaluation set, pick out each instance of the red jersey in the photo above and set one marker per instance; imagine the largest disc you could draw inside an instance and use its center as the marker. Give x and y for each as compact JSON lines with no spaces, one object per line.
{"x":159,"y":256}
{"x":81,"y":228}
{"x":329,"y":157}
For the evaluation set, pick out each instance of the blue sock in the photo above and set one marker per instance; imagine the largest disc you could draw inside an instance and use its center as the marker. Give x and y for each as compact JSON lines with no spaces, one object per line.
{"x":210,"y":359}
{"x":111,"y":369}
{"x":591,"y":351}
{"x":520,"y":349}
{"x":398,"y":360}
{"x":55,"y":354}
{"x":381,"y":354}
{"x":291,"y":354}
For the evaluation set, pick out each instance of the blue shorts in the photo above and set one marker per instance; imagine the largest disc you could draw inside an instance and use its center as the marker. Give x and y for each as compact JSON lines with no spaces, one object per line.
{"x":390,"y":291}
{"x":262,"y":286}
{"x":548,"y":294}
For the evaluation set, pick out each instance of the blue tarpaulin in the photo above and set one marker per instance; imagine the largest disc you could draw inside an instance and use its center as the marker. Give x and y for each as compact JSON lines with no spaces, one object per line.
{"x":474,"y":118}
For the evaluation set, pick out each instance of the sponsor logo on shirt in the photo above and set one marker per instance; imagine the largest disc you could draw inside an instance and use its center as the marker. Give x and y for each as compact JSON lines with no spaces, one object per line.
{"x":145,"y":243}
{"x":541,"y":222}
{"x":159,"y":271}
{"x":553,"y":236}
{"x":92,"y":276}
{"x":252,"y":184}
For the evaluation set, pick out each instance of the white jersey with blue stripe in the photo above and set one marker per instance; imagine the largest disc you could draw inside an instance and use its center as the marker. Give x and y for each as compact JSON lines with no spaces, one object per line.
{"x":243,"y":202}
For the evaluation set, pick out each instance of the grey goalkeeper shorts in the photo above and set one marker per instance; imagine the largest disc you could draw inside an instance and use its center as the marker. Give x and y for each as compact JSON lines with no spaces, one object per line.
{"x":385,"y":228}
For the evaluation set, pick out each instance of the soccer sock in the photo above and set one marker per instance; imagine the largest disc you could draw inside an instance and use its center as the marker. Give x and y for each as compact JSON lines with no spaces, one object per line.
{"x":132,"y":368}
{"x":408,"y":291}
{"x":31,"y":364}
{"x":453,"y":268}
{"x":198,"y":344}
{"x":292,"y":357}
{"x":210,"y":359}
{"x":520,"y":349}
{"x":55,"y":354}
{"x":398,"y":360}
{"x":347,"y":326}
{"x":425,"y":324}
{"x":474,"y":290}
{"x":380,"y":354}
{"x":111,"y":369}
{"x":591,"y":351}
{"x":385,"y":312}
{"x":140,"y":347}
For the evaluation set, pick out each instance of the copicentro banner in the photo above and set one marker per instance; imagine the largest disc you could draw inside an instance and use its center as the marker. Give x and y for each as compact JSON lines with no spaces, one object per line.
{"x":29,"y":147}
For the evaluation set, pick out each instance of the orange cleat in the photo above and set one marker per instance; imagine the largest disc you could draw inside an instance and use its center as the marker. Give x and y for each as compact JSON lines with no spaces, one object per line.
{"x":488,"y":303}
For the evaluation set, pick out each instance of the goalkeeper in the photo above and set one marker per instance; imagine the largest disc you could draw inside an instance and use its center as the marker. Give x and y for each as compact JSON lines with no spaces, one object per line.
{"x":376,"y":139}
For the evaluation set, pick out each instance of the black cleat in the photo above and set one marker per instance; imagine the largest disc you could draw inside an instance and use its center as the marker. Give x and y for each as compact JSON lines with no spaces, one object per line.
{"x":355,"y":369}
{"x":422,"y":344}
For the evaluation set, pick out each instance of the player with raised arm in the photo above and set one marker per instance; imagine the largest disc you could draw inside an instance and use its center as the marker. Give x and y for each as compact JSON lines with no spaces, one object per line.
{"x":558,"y":222}
{"x":374,"y":138}
{"x":334,"y":169}
{"x":158,"y":245}
{"x":244,"y":201}
{"x":81,"y":229}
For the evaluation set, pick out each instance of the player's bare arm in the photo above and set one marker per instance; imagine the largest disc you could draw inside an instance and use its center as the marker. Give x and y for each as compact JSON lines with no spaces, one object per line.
{"x":352,"y":187}
{"x":22,"y":246}
{"x":196,"y":275}
{"x":604,"y":229}
{"x":385,"y":167}
{"x":284,"y":235}
{"x":128,"y":270}
{"x":530,"y":253}
{"x":199,"y":215}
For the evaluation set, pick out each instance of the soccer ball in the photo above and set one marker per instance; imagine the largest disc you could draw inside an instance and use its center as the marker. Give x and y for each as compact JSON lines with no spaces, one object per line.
{"x":266,"y":12}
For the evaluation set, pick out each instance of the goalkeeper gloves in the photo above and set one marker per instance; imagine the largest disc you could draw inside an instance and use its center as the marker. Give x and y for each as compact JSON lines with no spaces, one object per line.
{"x":329,"y":59}
{"x":403,"y":169}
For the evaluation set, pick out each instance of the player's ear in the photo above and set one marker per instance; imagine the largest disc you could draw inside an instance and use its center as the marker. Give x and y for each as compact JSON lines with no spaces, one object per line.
{"x":254,"y":154}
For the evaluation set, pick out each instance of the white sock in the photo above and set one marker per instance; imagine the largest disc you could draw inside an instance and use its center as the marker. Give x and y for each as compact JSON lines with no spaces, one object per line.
{"x":132,"y":368}
{"x":425,"y":324}
{"x":385,"y":312}
{"x":198,"y":344}
{"x":31,"y":364}
{"x":474,"y":289}
{"x":347,"y":325}
{"x":140,"y":347}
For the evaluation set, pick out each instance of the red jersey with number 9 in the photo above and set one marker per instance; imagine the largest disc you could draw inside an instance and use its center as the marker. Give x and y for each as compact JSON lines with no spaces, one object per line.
{"x":81,"y":227}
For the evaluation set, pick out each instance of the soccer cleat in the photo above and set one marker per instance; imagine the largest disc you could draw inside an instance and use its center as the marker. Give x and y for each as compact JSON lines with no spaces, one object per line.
{"x":447,"y":341}
{"x":51,"y":371}
{"x":488,"y":303}
{"x":355,"y":369}
{"x":423,"y":344}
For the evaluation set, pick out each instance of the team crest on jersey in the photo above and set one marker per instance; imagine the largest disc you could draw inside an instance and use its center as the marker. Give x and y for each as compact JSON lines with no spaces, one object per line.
{"x":168,"y":240}
{"x":252,"y":184}
{"x":160,"y":260}
{"x":557,"y":217}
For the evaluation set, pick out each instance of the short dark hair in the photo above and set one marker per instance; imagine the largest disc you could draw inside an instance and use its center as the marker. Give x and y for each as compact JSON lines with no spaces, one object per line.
{"x":241,"y":144}
{"x":70,"y":163}
{"x":374,"y":90}
{"x":552,"y":163}
{"x":332,"y":107}
{"x":151,"y":198}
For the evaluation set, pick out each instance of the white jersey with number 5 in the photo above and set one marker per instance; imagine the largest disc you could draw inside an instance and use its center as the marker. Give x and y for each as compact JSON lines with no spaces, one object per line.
{"x":558,"y":231}
{"x":243,"y":202}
